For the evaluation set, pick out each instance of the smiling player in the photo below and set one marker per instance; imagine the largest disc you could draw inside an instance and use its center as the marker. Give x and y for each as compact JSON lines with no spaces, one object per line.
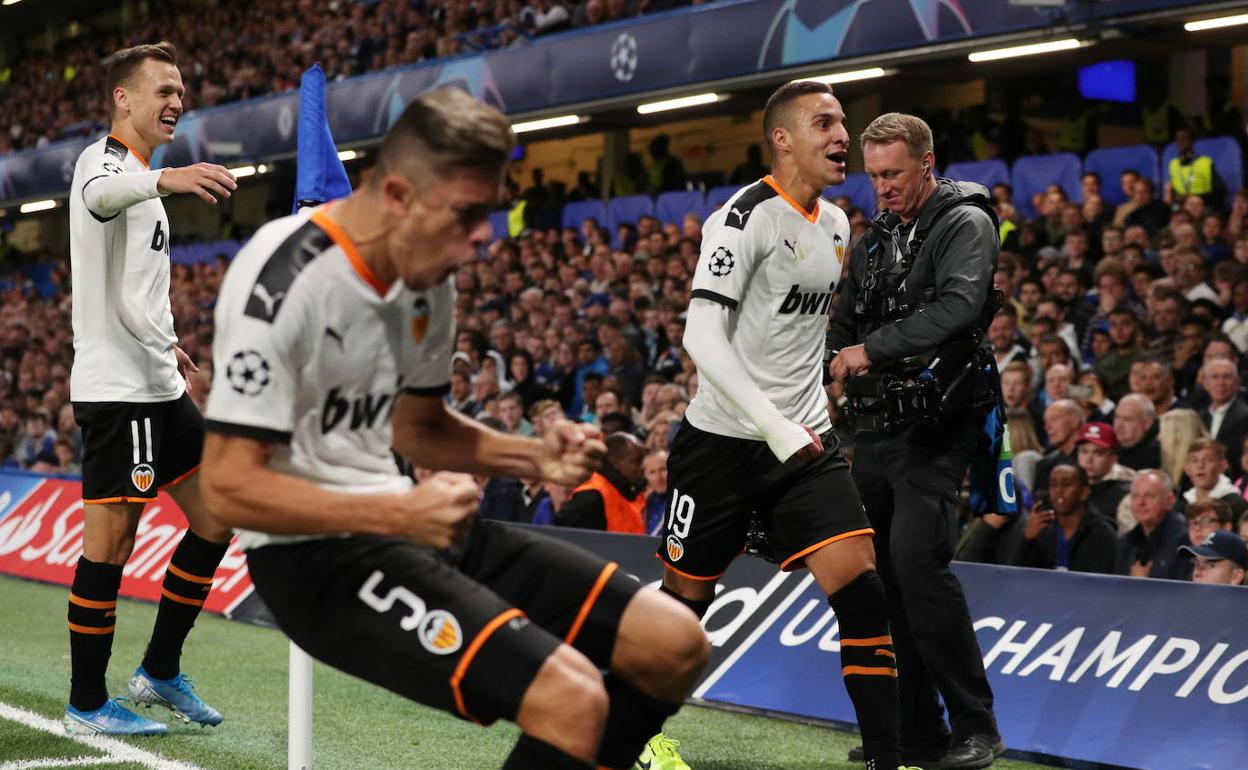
{"x":128,"y":386}
{"x":757,"y":438}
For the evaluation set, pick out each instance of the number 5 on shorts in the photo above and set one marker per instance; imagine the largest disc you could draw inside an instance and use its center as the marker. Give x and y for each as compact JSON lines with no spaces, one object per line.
{"x":680,"y":514}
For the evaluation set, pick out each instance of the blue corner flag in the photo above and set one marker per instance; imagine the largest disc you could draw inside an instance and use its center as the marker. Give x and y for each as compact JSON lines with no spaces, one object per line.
{"x":320,"y":175}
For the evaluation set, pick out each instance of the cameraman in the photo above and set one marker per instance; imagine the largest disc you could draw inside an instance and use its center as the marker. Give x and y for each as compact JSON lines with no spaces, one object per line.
{"x":921,"y":278}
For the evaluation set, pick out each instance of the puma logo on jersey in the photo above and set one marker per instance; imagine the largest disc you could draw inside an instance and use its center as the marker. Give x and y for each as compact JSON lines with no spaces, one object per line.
{"x":807,"y":302}
{"x":333,"y":334}
{"x":791,"y":247}
{"x":739,"y":214}
{"x":271,"y":301}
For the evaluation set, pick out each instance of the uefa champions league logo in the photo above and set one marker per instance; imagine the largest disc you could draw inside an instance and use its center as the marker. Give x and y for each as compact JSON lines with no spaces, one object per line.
{"x":624,"y":57}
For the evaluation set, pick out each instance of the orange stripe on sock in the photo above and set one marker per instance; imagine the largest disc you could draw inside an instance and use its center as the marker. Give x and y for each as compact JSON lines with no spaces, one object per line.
{"x":461,"y":670}
{"x":203,"y":581}
{"x":868,"y":671}
{"x":181,"y":599}
{"x":92,"y":604}
{"x":874,"y":641}
{"x":77,"y":629}
{"x":590,"y":600}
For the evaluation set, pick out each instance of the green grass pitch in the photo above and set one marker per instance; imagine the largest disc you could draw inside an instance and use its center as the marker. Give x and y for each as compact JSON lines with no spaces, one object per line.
{"x":241,"y":670}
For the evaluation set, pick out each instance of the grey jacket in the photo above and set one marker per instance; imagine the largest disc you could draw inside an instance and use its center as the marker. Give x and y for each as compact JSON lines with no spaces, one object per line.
{"x":948,"y":282}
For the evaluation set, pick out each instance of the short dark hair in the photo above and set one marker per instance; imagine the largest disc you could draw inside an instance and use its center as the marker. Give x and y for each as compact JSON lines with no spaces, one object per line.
{"x":120,"y":66}
{"x":445,"y":130}
{"x":785,"y":95}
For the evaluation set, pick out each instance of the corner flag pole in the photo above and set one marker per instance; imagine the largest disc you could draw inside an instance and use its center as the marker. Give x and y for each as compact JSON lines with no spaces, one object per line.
{"x":319,"y":177}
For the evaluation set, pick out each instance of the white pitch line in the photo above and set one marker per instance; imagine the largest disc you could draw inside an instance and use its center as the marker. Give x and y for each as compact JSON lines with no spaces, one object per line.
{"x":117,"y":750}
{"x":32,"y":764}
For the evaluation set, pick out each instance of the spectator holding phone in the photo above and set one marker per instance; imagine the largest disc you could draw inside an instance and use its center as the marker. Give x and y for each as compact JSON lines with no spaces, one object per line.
{"x":1060,"y":533}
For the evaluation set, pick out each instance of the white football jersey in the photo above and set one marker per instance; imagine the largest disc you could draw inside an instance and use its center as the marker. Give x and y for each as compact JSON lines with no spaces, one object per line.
{"x":119,"y":266}
{"x":311,"y":352}
{"x":776,"y":266}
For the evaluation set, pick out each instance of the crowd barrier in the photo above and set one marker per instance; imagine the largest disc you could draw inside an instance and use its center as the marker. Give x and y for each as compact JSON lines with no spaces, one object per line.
{"x":1088,"y":670}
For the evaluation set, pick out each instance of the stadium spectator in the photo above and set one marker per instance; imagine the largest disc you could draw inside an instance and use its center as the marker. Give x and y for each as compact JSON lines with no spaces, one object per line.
{"x":1221,"y":559}
{"x":1206,"y":516}
{"x":1150,"y":549}
{"x":1226,"y":416}
{"x":1062,"y":421}
{"x":1192,"y":174}
{"x":655,"y":467}
{"x":39,"y":440}
{"x":1177,"y":429}
{"x":1108,"y":481}
{"x":1135,"y":425}
{"x":1061,"y":533}
{"x":613,"y":498}
{"x":1148,"y":212}
{"x":1205,"y":470}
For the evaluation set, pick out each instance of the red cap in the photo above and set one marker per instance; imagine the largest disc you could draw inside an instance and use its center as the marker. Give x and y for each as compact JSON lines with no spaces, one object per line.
{"x":1100,"y":434}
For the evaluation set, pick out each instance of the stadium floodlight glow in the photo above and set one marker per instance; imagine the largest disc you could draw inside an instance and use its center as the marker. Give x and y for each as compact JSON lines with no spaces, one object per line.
{"x":10,"y":2}
{"x":846,"y":77}
{"x":346,"y":155}
{"x":262,"y":169}
{"x":677,"y":104}
{"x":1221,"y":21}
{"x":559,"y":121}
{"x":33,"y":206}
{"x":243,"y":171}
{"x":1031,"y":49}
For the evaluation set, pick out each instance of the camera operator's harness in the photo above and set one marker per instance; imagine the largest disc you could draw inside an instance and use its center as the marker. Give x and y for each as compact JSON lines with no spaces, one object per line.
{"x":914,"y":391}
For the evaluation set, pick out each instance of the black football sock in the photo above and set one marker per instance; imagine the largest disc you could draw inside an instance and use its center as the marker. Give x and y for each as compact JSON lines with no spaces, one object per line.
{"x":632,"y":719}
{"x":92,"y":620}
{"x":532,"y":754}
{"x":869,"y":667}
{"x":699,"y":606}
{"x":182,"y":595}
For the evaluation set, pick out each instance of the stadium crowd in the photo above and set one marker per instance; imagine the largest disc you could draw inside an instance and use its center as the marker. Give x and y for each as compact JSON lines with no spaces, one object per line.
{"x":239,"y":49}
{"x":1121,"y":347}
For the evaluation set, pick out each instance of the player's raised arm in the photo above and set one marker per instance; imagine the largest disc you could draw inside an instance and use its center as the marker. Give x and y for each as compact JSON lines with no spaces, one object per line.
{"x":432,"y":436}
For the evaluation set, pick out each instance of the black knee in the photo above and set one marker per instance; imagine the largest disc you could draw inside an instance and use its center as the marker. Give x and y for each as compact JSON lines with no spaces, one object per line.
{"x":862,"y":613}
{"x":699,"y":606}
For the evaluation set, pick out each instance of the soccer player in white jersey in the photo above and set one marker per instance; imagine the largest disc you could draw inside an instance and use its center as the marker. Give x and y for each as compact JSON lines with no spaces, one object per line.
{"x":757,"y":441}
{"x":335,"y":331}
{"x":140,"y":430}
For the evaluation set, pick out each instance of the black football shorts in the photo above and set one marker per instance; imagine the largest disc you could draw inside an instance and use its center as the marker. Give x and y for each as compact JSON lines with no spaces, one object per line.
{"x":132,"y":450}
{"x":717,"y":486}
{"x":465,"y":636}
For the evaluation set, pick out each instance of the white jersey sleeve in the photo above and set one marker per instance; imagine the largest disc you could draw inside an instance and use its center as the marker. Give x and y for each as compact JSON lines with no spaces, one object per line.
{"x":732,"y":242}
{"x":258,"y":361}
{"x":110,"y":189}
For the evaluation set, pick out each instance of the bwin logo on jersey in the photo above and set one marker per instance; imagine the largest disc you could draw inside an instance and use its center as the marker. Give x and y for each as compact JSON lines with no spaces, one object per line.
{"x":365,"y":411}
{"x":806,"y":302}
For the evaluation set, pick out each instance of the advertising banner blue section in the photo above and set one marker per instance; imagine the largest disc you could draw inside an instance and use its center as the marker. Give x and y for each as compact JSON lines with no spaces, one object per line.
{"x":1124,"y":672}
{"x":668,"y":50}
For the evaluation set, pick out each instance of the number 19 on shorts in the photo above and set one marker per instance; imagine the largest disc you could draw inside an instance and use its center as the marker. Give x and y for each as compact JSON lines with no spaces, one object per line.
{"x":679,"y":514}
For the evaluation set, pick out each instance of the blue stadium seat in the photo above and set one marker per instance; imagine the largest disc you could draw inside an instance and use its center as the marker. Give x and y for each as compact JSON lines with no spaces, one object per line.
{"x":1227,"y":159}
{"x":857,"y":187}
{"x":985,"y":172}
{"x":671,"y":207}
{"x":718,"y":196}
{"x":1033,"y":173}
{"x":627,"y":208}
{"x":1112,"y":161}
{"x":578,"y":211}
{"x":498,"y":224}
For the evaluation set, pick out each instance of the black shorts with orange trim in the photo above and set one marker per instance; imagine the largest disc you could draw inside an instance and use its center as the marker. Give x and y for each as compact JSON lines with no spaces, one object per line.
{"x":465,"y":635}
{"x":718,"y":487}
{"x":132,"y":450}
